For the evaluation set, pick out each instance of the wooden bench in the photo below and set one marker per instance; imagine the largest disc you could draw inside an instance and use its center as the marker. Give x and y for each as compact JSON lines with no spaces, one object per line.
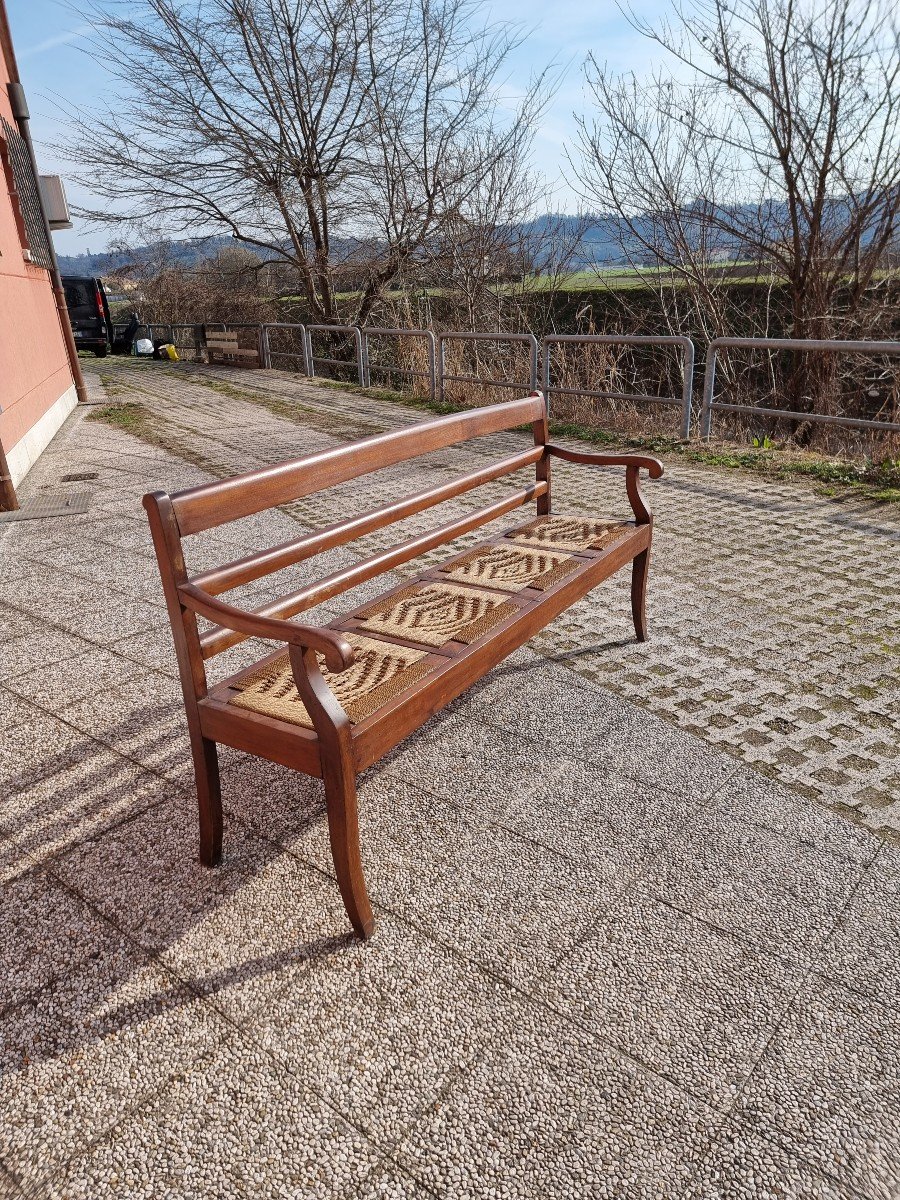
{"x":342,"y":695}
{"x":225,"y":346}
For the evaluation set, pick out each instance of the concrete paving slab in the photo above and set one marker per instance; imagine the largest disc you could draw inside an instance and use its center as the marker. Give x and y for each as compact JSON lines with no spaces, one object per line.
{"x":57,"y":687}
{"x":863,"y":952}
{"x":692,"y":1003}
{"x":9,"y":1189}
{"x":780,"y":892}
{"x":94,"y":1044}
{"x":100,"y":790}
{"x":37,"y":750}
{"x":144,"y":719}
{"x":358,"y":1024}
{"x":743,"y":1166}
{"x":45,"y":930}
{"x":748,"y":797}
{"x":827,"y":1088}
{"x":42,"y":646}
{"x":233,"y":1124}
{"x":504,"y":903}
{"x":484,"y":769}
{"x":14,"y":623}
{"x":14,"y":711}
{"x":549,"y":1113}
{"x":389,"y":1184}
{"x":145,"y":875}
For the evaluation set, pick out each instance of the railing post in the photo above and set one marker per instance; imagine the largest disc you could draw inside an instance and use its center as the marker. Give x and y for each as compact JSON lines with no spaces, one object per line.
{"x":545,"y":366}
{"x":533,"y":346}
{"x":432,"y":366}
{"x":709,"y":383}
{"x":366,"y":373}
{"x":308,"y":349}
{"x":361,"y":371}
{"x":442,"y":367}
{"x":307,"y":357}
{"x":687,"y":391}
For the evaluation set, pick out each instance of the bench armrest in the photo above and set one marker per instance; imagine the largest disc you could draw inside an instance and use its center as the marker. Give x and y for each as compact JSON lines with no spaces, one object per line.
{"x":338,"y":652}
{"x":632,"y":464}
{"x":653,"y":465}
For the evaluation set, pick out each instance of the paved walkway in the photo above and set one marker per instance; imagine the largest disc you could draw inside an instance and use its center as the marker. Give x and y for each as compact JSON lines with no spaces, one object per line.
{"x":611,"y":959}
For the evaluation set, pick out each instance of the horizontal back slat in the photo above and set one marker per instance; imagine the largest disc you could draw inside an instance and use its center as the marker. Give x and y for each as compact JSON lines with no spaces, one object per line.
{"x":219,"y":638}
{"x":214,"y":504}
{"x":276,"y":558}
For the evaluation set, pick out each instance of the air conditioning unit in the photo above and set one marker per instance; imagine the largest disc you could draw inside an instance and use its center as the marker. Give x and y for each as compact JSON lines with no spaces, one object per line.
{"x":53,"y":196}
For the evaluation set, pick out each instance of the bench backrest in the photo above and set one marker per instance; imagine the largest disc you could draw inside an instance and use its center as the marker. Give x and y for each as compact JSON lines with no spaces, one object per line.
{"x":213,"y":504}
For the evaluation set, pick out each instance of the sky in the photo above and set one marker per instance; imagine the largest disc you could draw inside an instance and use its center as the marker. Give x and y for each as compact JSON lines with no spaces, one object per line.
{"x":54,"y":62}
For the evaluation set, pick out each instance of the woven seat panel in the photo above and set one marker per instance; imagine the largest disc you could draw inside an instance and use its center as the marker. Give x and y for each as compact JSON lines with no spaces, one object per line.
{"x":435,"y":613}
{"x":511,"y":568}
{"x":381,"y":672}
{"x":569,"y":533}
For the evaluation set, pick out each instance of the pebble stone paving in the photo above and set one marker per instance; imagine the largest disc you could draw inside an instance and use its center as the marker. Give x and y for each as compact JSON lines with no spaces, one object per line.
{"x":637,"y":905}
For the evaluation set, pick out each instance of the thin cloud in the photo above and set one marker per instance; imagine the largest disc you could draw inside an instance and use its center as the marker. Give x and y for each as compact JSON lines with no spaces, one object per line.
{"x":59,"y":39}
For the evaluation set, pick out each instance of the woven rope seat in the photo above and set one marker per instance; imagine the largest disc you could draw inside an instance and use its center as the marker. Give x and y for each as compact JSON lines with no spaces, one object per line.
{"x":381,"y":672}
{"x":511,"y":568}
{"x":569,"y":533}
{"x":435,"y":613}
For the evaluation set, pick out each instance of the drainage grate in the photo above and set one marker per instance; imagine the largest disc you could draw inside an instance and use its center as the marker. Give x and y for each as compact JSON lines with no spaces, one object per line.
{"x":50,"y":506}
{"x":79,"y":477}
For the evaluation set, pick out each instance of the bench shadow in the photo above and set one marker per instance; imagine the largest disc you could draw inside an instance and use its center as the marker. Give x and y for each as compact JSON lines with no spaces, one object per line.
{"x":511,"y":669}
{"x":69,"y":814}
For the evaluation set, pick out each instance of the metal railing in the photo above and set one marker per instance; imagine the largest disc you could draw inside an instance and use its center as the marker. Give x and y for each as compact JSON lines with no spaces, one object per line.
{"x":169,"y":332}
{"x":443,"y":378}
{"x":188,"y":337}
{"x":334,"y":362}
{"x":267,"y":353}
{"x":368,"y":332}
{"x":684,"y":343}
{"x":825,"y":346}
{"x":540,"y":355}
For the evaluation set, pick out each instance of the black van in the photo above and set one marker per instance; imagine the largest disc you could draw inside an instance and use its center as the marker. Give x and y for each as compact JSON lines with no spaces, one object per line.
{"x":88,"y":313}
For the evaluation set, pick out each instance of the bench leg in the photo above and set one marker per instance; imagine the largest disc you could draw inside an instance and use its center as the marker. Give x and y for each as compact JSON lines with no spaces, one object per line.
{"x":343,"y":830}
{"x":209,"y":799}
{"x":640,"y":569}
{"x":339,"y":776}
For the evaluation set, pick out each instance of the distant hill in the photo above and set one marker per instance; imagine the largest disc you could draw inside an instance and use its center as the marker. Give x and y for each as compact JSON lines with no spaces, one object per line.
{"x":598,"y":241}
{"x":601,"y":240}
{"x":598,"y":245}
{"x":188,"y":252}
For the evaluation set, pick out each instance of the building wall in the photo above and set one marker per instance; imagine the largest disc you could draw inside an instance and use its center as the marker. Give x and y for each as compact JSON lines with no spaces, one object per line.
{"x":36,"y":388}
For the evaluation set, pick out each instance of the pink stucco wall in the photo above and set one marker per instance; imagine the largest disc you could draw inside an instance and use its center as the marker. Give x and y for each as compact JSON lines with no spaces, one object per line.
{"x":34,"y":369}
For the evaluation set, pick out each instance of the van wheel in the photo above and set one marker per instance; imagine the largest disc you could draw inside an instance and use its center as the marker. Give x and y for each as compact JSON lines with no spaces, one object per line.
{"x":102,"y":353}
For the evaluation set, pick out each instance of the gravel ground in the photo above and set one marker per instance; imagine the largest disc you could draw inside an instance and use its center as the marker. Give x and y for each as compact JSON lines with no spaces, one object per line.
{"x":629,"y":943}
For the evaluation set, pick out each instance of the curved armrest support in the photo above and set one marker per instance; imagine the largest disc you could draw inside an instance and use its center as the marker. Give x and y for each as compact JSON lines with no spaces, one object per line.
{"x":653,"y":466}
{"x":632,"y":464}
{"x":338,"y":652}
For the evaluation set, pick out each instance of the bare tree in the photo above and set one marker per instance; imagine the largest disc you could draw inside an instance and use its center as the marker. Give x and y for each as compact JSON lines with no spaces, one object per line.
{"x":770,"y":134}
{"x":321,"y":132}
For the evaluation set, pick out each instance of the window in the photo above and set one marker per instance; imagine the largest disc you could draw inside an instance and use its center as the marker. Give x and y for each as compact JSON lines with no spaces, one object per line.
{"x":24,"y":195}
